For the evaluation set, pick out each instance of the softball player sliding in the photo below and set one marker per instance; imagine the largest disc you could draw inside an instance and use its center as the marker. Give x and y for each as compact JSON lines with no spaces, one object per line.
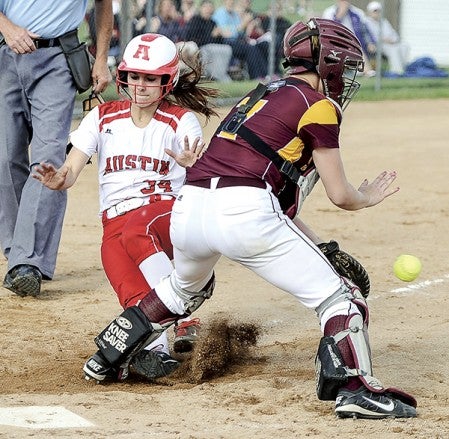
{"x":234,"y":204}
{"x":142,"y":143}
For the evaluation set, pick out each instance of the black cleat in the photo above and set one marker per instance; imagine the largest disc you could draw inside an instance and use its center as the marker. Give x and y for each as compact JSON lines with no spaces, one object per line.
{"x":362,"y":403}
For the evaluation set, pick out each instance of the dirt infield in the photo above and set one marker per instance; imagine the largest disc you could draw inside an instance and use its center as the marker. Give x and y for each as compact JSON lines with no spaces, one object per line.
{"x":266,"y":390}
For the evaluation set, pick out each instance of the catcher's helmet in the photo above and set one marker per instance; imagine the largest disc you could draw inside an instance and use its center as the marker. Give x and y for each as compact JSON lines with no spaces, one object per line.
{"x":152,"y":54}
{"x":329,"y":49}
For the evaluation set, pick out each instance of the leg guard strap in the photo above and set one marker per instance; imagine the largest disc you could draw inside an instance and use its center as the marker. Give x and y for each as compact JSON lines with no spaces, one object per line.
{"x":346,"y":293}
{"x":342,"y":356}
{"x":193,"y":300}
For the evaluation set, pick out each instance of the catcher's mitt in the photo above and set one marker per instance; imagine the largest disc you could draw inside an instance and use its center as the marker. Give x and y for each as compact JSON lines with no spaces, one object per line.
{"x":346,"y":265}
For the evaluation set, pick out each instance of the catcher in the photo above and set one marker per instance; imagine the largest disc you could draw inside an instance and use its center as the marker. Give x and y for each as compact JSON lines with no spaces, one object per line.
{"x":241,"y":199}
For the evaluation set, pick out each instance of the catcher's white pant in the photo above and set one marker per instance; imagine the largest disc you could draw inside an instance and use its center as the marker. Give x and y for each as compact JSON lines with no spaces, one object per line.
{"x":245,"y":224}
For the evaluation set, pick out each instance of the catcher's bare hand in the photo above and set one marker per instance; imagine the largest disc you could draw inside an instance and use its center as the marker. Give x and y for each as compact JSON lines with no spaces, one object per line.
{"x":190,"y":155}
{"x":380,"y":188}
{"x":51,"y":177}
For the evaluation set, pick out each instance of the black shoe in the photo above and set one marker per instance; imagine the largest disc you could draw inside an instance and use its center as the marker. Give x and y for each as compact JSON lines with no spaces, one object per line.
{"x":362,"y":403}
{"x":24,"y":280}
{"x":153,"y":364}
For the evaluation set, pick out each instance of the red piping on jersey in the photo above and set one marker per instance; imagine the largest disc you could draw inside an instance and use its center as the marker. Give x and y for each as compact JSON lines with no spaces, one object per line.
{"x":170,"y":114}
{"x":113,"y":110}
{"x":169,"y":120}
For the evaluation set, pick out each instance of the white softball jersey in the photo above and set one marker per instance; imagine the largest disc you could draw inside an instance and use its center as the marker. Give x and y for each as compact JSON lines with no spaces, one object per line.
{"x":132,"y":162}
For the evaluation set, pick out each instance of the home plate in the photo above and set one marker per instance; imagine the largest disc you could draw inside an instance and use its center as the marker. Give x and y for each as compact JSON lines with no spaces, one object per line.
{"x":41,"y":417}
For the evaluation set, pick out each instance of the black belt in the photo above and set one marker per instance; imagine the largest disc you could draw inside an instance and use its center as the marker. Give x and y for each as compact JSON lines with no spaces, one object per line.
{"x":41,"y":43}
{"x":229,"y":182}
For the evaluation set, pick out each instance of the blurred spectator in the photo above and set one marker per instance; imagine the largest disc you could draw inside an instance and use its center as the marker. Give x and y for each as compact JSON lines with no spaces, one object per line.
{"x":395,"y":51}
{"x":140,"y":18}
{"x":255,"y":34}
{"x":305,"y":8}
{"x":355,"y":20}
{"x":167,"y":21}
{"x":188,"y":10}
{"x":233,"y":30}
{"x":247,"y":15}
{"x":253,"y":28}
{"x":282,"y":24}
{"x":215,"y":55}
{"x":188,"y":55}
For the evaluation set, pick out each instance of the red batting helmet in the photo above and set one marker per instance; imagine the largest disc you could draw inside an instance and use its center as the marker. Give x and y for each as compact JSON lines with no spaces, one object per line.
{"x":329,"y":49}
{"x":152,"y":54}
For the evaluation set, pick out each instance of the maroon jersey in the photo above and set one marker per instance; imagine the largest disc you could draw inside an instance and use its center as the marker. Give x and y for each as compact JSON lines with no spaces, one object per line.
{"x":292,"y":118}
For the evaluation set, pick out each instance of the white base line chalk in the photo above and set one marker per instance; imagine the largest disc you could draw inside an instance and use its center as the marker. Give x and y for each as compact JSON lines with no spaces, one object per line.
{"x":41,"y":417}
{"x":421,"y":285}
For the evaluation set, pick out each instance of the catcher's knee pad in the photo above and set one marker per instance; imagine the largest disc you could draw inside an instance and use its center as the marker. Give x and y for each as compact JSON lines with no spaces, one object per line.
{"x":334,"y":367}
{"x":182,"y":300}
{"x":346,"y":300}
{"x":126,"y":335}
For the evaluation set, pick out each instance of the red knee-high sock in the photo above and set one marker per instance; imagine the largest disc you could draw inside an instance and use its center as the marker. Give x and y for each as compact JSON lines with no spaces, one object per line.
{"x":155,"y":310}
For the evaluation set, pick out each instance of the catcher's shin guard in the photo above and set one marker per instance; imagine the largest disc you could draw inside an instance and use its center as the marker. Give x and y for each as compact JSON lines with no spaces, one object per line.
{"x":344,"y":355}
{"x":344,"y":350}
{"x":331,"y":372}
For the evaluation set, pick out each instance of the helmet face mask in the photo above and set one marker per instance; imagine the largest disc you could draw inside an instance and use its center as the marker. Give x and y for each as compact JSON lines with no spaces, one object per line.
{"x":148,"y":54}
{"x":141,"y":89}
{"x":329,"y":49}
{"x":339,"y":79}
{"x":350,"y":85}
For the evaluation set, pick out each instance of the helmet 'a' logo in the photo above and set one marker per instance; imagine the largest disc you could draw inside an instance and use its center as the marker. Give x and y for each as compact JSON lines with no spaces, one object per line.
{"x":335,"y":53}
{"x":142,"y":52}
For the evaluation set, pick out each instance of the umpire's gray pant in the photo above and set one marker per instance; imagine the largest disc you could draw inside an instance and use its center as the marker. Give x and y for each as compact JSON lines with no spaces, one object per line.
{"x":36,"y":106}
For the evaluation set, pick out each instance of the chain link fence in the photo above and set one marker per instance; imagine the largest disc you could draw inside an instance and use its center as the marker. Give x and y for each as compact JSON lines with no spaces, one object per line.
{"x":257,"y":52}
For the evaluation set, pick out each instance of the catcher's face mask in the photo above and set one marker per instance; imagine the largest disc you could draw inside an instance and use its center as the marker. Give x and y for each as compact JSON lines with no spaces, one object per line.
{"x":329,"y":49}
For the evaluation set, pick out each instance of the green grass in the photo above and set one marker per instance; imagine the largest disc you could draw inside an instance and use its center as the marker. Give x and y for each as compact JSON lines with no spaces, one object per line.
{"x":403,"y":88}
{"x":391,"y":89}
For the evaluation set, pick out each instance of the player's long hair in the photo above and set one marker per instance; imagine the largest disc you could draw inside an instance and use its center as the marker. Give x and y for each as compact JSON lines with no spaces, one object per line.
{"x":189,"y":94}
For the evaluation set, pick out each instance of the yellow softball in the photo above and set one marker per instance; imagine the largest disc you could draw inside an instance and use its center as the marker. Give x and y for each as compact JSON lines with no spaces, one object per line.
{"x":407,"y":267}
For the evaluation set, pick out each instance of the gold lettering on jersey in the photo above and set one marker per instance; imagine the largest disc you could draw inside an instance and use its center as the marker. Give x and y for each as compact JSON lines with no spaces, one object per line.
{"x":119,"y":163}
{"x":142,"y":52}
